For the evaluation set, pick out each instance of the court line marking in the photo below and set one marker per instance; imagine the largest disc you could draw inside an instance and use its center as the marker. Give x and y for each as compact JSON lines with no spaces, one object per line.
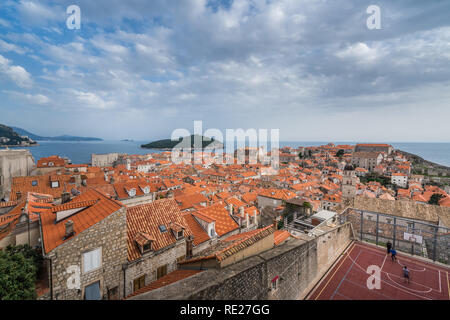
{"x":440,"y":287}
{"x":448,"y":286}
{"x":412,"y":293}
{"x":345,"y":276}
{"x":425,"y":269}
{"x":372,"y":291}
{"x":417,"y":283}
{"x":430,"y":269}
{"x":417,"y":262}
{"x":344,"y":296}
{"x":418,"y":291}
{"x":338,"y":267}
{"x":385,"y":257}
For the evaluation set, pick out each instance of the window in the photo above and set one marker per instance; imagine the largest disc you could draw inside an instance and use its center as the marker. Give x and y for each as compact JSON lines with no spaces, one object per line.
{"x":113,"y":293}
{"x":34,"y":183}
{"x":162,"y":228}
{"x":92,"y":291}
{"x":146,"y":247}
{"x":161,"y":272}
{"x":180,"y":234}
{"x":139,"y":283}
{"x":92,"y":260}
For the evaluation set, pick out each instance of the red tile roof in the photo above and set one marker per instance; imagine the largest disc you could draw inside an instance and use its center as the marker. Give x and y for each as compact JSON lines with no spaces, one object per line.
{"x":53,"y":233}
{"x":199,"y":233}
{"x":147,"y":218}
{"x":223,"y":221}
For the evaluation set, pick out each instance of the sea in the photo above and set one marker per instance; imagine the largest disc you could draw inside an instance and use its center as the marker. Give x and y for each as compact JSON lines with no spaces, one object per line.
{"x":80,"y":152}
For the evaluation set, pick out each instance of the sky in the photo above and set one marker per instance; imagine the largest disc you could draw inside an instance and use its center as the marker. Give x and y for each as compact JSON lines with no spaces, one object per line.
{"x":140,"y":69}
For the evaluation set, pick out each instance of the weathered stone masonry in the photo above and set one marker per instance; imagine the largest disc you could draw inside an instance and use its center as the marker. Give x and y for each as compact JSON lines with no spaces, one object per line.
{"x":298,"y":264}
{"x":109,"y":234}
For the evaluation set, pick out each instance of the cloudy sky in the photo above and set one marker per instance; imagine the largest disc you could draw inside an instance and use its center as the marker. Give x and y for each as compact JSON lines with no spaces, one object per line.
{"x":140,"y":69}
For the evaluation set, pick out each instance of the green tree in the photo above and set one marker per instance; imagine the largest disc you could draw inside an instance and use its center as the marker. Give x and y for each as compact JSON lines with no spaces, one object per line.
{"x":435,"y":198}
{"x":18,"y":272}
{"x":340,"y":153}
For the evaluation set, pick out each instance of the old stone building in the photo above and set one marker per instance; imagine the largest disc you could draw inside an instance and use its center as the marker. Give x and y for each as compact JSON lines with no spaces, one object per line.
{"x":374,"y":147}
{"x":366,"y":160}
{"x":13,"y":163}
{"x":85,"y":247}
{"x":133,"y":193}
{"x":104,"y":160}
{"x":157,"y":237}
{"x":288,"y":271}
{"x":349,"y":181}
{"x":20,"y":224}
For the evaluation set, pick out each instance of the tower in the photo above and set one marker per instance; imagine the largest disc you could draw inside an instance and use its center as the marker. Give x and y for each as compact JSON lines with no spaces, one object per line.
{"x":349,"y":181}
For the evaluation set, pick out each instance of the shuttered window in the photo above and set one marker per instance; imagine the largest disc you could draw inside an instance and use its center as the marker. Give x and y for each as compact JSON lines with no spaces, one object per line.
{"x":161,"y":271}
{"x":139,"y":283}
{"x":92,"y":260}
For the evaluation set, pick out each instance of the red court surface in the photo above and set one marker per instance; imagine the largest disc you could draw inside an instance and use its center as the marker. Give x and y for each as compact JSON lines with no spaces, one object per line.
{"x":347,"y":280}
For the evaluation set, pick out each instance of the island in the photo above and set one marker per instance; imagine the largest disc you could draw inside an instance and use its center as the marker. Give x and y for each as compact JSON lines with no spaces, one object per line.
{"x":185,"y":142}
{"x":35,"y":137}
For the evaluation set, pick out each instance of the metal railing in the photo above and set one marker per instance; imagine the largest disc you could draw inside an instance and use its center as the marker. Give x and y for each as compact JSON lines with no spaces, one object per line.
{"x":411,"y":236}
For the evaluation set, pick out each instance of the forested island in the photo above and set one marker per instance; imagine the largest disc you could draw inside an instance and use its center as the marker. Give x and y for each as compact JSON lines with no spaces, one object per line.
{"x":185,"y":142}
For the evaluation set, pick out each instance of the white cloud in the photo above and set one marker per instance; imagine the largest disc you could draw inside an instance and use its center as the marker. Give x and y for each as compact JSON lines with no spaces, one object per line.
{"x":360,"y":53}
{"x":15,"y":73}
{"x":38,"y":98}
{"x":6,"y":47}
{"x":37,"y":13}
{"x":252,"y":63}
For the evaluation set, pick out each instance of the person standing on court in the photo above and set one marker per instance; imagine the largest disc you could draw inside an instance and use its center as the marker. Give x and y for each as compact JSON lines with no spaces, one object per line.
{"x":393,"y":254}
{"x":406,"y":273}
{"x":388,"y":246}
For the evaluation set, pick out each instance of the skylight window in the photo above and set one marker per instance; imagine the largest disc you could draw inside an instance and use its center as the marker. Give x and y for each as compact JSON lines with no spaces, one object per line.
{"x":162,"y":228}
{"x":34,"y":183}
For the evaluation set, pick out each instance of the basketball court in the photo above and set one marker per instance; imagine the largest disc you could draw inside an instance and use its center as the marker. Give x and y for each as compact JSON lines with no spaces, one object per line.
{"x":348,"y":279}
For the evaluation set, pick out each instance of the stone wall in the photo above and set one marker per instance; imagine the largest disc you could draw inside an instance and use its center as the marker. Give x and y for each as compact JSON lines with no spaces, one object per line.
{"x":299,"y":264}
{"x":104,"y":160}
{"x":22,"y":235}
{"x":111,"y":235}
{"x":13,"y":163}
{"x":147,"y":266}
{"x":264,"y":202}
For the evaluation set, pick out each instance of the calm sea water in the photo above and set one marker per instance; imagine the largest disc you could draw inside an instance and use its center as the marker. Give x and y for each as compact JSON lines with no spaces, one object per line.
{"x":80,"y":152}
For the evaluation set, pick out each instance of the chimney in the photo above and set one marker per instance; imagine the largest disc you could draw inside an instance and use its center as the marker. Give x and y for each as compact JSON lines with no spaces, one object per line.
{"x":69,"y":229}
{"x":275,"y":224}
{"x":189,"y":242}
{"x":230,"y":209}
{"x":65,"y":197}
{"x":77,"y":180}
